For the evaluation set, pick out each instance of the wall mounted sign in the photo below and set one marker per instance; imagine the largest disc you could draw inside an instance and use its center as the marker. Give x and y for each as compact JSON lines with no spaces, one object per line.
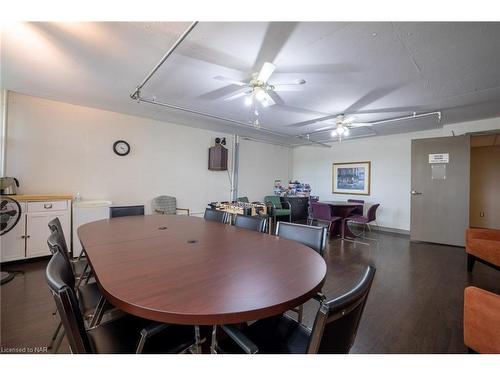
{"x":439,"y":158}
{"x":351,"y":178}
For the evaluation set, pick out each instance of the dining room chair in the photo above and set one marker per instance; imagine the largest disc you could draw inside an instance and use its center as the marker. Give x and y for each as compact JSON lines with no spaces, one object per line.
{"x":215,"y":215}
{"x":255,"y":223}
{"x":313,"y":237}
{"x":92,"y":303}
{"x":323,"y":212}
{"x":120,"y":211}
{"x":126,"y":334}
{"x":167,"y":205}
{"x":358,"y":210}
{"x":364,"y":221}
{"x":333,"y":332}
{"x":80,"y":265}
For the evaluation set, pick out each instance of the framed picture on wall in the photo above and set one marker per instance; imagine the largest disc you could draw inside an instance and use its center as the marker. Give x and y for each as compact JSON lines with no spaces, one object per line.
{"x":351,"y":178}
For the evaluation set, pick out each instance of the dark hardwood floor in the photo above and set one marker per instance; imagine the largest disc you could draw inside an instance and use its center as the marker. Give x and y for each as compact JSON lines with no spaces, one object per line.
{"x":415,"y":305}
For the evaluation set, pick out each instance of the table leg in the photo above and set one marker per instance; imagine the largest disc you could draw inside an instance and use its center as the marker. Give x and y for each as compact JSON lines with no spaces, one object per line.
{"x":197,"y":340}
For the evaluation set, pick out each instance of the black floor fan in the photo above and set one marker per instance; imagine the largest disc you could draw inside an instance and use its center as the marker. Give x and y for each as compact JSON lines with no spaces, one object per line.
{"x":10,"y":213}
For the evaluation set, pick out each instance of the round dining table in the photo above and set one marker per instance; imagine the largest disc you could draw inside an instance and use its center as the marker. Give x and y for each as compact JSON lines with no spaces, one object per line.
{"x":343,"y":209}
{"x":188,"y":270}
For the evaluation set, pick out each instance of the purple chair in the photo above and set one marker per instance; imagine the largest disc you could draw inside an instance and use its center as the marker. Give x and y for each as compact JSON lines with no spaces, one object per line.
{"x":323,"y":212}
{"x":357,"y":210}
{"x":312,"y":198}
{"x":366,"y":220}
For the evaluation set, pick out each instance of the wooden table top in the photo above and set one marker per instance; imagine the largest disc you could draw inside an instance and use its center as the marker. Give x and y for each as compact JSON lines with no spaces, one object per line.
{"x":342,"y":203}
{"x":186,"y":270}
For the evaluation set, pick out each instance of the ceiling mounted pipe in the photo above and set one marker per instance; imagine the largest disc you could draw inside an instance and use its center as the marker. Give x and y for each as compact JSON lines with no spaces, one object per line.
{"x":403,"y":118}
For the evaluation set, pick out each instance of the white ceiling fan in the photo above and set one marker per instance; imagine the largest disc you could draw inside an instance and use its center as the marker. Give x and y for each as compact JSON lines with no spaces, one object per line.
{"x":258,"y":89}
{"x":343,"y":125}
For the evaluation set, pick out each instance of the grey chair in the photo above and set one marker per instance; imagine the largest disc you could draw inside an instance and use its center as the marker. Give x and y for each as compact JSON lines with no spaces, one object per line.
{"x":334,"y":329}
{"x":215,"y":215}
{"x":255,"y":223}
{"x":167,"y":205}
{"x":119,"y":211}
{"x":127,"y":334}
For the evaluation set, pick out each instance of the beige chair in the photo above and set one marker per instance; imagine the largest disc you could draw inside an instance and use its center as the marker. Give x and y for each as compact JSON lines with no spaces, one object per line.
{"x":167,"y":205}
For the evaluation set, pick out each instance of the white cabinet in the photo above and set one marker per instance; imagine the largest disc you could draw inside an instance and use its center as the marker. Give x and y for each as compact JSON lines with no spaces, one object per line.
{"x":37,"y":231}
{"x":28,"y":239}
{"x":12,"y":244}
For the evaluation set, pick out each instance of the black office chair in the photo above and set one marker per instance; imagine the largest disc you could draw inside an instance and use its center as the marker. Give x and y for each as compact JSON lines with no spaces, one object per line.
{"x":254,"y":223}
{"x":215,"y":215}
{"x":91,"y":301}
{"x":119,"y":211}
{"x":127,"y":334}
{"x":313,"y":237}
{"x":80,"y":265}
{"x":334,"y":329}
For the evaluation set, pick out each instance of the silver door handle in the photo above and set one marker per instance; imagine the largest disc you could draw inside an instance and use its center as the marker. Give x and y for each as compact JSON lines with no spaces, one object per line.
{"x":414,"y":192}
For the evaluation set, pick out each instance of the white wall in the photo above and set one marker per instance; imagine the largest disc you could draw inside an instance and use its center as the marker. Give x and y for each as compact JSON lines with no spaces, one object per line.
{"x":390,"y":158}
{"x":55,"y":147}
{"x":261,"y":164}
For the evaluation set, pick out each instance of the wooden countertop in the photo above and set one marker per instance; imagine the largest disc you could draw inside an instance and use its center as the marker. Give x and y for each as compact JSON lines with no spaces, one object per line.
{"x":40,"y":197}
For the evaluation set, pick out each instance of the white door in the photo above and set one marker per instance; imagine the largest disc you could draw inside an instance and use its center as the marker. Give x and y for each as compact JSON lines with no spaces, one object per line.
{"x":12,"y":244}
{"x":37,"y":231}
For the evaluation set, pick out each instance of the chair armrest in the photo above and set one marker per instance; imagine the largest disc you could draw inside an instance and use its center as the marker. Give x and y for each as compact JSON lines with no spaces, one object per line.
{"x":288,"y":203}
{"x":239,"y":338}
{"x":320,"y":297}
{"x":183,"y":209}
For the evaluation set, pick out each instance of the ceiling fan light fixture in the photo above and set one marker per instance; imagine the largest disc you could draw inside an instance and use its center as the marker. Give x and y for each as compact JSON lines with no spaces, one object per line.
{"x":340,"y":130}
{"x":334,"y":132}
{"x":346,"y":132}
{"x":260,"y":95}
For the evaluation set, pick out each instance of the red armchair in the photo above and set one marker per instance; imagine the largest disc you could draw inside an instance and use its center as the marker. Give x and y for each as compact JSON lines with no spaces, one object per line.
{"x":483,"y":245}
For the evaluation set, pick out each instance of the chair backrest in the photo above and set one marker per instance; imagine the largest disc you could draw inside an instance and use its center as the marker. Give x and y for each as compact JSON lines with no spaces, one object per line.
{"x":56,"y":245}
{"x":215,"y":215}
{"x":243,"y":199}
{"x":321,"y":211}
{"x":357,"y":210}
{"x":58,"y":273}
{"x":119,"y":211}
{"x":314,"y":237}
{"x":55,"y":226}
{"x":337,"y":321}
{"x":165,"y":204}
{"x":255,"y":223}
{"x":371,"y":214}
{"x":274,"y":200}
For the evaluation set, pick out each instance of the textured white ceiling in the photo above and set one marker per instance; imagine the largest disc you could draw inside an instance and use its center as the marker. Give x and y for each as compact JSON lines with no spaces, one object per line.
{"x":371,"y":70}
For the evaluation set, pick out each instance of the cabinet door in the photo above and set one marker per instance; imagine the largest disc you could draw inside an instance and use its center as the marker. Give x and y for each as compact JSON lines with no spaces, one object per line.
{"x":12,"y":244}
{"x":37,"y":231}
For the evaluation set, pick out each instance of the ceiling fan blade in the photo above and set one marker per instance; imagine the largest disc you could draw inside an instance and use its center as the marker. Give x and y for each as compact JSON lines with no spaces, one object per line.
{"x":276,"y":98}
{"x":269,"y":101}
{"x":359,"y":124}
{"x":230,"y":80}
{"x":283,"y":88}
{"x":266,"y":71}
{"x":237,"y":95}
{"x":275,"y":38}
{"x":294,"y":83}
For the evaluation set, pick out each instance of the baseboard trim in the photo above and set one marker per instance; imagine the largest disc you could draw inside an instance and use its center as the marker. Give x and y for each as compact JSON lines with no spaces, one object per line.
{"x":376,"y":228}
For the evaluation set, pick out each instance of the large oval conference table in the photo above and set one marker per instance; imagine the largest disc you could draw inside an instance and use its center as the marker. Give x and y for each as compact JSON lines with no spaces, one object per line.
{"x":187,"y":270}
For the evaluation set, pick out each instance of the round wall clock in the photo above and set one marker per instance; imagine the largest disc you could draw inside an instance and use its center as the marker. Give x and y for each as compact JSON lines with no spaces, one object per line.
{"x":121,"y":148}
